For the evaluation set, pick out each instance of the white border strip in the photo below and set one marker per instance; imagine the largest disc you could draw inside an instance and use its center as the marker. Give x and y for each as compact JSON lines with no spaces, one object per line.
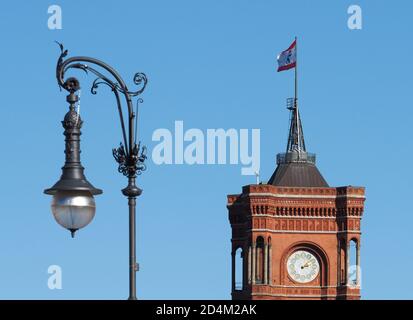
{"x":296,"y":231}
{"x":295,"y":217}
{"x":281,"y":195}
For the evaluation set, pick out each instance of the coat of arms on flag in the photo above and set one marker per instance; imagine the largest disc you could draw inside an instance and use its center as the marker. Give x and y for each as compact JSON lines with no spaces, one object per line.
{"x":287,"y":59}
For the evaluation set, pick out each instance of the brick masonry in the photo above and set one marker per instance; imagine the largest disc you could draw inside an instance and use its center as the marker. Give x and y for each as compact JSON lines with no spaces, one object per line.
{"x":278,"y":221}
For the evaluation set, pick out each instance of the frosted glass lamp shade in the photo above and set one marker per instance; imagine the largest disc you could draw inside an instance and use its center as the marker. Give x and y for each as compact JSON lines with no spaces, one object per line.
{"x":73,"y":209}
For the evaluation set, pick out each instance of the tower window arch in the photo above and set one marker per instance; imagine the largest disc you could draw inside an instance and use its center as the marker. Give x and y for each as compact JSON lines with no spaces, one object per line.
{"x":259,"y":272}
{"x":239,"y":269}
{"x":353,"y":263}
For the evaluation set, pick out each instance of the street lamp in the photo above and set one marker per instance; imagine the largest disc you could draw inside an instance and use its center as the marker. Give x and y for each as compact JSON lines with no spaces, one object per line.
{"x":73,"y":203}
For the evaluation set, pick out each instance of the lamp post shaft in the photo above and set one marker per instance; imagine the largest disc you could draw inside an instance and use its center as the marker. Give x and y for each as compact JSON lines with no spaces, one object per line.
{"x":132,"y":191}
{"x":132,"y":248}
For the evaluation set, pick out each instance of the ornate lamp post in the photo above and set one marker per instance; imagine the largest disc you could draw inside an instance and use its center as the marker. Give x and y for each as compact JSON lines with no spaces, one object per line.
{"x":73,"y":205}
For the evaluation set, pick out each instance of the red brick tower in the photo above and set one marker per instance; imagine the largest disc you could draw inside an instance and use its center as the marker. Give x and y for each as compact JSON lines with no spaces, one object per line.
{"x":291,"y":237}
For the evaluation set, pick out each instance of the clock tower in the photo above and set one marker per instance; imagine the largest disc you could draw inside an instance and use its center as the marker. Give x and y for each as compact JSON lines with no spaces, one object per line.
{"x":296,"y":237}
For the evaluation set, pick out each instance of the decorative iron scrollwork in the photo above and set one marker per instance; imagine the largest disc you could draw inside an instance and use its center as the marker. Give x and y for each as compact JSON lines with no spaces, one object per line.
{"x":131,"y":162}
{"x":130,"y":166}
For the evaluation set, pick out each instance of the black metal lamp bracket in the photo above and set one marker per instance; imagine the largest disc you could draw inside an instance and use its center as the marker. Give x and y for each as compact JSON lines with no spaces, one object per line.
{"x":130,"y":156}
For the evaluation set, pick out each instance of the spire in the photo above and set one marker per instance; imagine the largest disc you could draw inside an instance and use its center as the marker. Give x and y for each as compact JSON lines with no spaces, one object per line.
{"x":296,"y":141}
{"x":296,"y":167}
{"x":296,"y":151}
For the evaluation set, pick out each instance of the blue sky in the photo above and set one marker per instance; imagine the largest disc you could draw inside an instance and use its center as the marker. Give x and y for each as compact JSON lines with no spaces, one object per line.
{"x":210,"y":64}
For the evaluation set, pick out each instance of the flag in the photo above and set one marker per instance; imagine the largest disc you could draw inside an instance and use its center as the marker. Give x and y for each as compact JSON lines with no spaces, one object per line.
{"x":287,"y":59}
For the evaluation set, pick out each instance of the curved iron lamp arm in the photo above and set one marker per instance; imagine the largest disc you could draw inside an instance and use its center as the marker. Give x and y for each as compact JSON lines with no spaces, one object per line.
{"x":131,"y":163}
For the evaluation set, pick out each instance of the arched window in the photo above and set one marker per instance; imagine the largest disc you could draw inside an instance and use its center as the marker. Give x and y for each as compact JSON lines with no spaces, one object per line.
{"x":259,"y":273}
{"x":352,"y":272}
{"x":269,"y":262}
{"x":239,"y":270}
{"x":342,"y":263}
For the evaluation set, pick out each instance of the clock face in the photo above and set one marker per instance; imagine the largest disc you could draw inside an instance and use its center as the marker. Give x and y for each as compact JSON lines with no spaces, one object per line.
{"x":302,"y":266}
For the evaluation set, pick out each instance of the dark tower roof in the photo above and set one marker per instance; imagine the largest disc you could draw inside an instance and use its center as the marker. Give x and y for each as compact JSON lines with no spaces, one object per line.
{"x":296,"y":167}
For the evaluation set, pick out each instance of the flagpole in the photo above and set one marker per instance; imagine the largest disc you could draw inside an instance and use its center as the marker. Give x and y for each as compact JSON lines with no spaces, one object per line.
{"x":296,"y":66}
{"x":297,"y":125}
